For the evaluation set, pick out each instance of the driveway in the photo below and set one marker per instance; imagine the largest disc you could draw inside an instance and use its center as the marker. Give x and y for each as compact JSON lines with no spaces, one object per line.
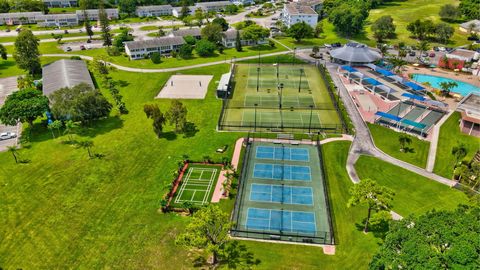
{"x":7,"y":86}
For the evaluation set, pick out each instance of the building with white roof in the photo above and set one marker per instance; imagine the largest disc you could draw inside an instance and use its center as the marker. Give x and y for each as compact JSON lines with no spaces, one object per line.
{"x":295,"y":13}
{"x":93,"y":14}
{"x":143,"y":48}
{"x":473,"y":25}
{"x":60,"y":3}
{"x":50,"y":20}
{"x":19,"y":18}
{"x":213,"y":6}
{"x":154,"y":11}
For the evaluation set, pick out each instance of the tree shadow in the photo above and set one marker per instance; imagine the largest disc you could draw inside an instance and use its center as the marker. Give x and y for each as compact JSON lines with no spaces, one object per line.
{"x":170,"y":135}
{"x":101,"y":126}
{"x":379,"y":230}
{"x":123,"y":83}
{"x":237,"y":256}
{"x":190,"y":130}
{"x":409,"y":150}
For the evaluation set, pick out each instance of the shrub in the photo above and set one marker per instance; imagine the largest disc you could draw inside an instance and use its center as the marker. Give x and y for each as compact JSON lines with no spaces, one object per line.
{"x":75,"y":57}
{"x":156,"y":58}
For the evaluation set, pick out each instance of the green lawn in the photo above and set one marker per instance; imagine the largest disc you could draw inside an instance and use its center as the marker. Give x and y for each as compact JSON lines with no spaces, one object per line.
{"x":404,"y":12}
{"x":387,"y":140}
{"x":414,"y":194}
{"x":170,"y":62}
{"x":149,"y":27}
{"x":450,"y":136}
{"x":63,"y":209}
{"x":9,"y":67}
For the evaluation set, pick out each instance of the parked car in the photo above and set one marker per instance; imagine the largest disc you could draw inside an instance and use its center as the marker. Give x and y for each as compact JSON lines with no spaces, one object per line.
{"x":425,"y":54}
{"x":436,"y":49}
{"x":337,"y":45}
{"x":82,"y":47}
{"x":441,"y":49}
{"x":432,"y":54}
{"x":328,"y":46}
{"x":7,"y":135}
{"x":68,"y":49}
{"x":412,"y":53}
{"x":8,"y":30}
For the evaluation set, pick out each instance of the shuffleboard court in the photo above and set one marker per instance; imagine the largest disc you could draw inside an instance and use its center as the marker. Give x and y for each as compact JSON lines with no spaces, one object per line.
{"x":281,"y":194}
{"x":282,"y":172}
{"x":281,"y":220}
{"x":282,"y":153}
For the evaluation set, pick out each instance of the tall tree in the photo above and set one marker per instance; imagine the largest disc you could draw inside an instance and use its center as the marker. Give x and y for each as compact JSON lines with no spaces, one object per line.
{"x":349,"y":18}
{"x":208,"y":230}
{"x":70,"y":128}
{"x":255,"y":32}
{"x":371,"y":195}
{"x":26,"y":52}
{"x":86,"y":22}
{"x":199,"y":16}
{"x":222,"y":22}
{"x":318,"y":29}
{"x":459,"y":152}
{"x":57,"y":124}
{"x":153,"y":111}
{"x":444,"y":32}
{"x":24,"y":105}
{"x":435,"y":240}
{"x":383,"y":28}
{"x":185,"y":11}
{"x":177,"y":115}
{"x":470,"y":9}
{"x":79,"y":103}
{"x":127,"y":6}
{"x":449,"y":12}
{"x":300,"y":31}
{"x":105,"y":25}
{"x":212,"y":32}
{"x":238,"y":42}
{"x":3,"y":52}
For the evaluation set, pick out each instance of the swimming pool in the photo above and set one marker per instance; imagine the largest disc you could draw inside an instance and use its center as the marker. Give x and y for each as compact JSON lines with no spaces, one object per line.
{"x":462,"y":88}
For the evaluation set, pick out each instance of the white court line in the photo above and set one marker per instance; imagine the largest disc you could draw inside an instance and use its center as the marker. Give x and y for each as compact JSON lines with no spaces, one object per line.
{"x":184,"y":184}
{"x":209,"y":188}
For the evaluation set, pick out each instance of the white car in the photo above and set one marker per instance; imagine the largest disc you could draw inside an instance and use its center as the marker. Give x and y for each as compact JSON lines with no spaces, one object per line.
{"x":7,"y":135}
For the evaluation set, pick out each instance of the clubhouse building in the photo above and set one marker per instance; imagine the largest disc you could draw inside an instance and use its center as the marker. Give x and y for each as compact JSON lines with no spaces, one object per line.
{"x":354,"y":54}
{"x":65,"y":73}
{"x":469,"y":107}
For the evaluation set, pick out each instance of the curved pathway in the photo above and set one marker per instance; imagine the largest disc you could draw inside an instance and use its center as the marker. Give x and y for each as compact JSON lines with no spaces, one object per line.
{"x":160,"y":70}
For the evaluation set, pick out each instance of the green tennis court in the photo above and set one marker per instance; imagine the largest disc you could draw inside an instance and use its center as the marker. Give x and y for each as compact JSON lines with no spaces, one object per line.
{"x":281,"y":97}
{"x":197,"y":184}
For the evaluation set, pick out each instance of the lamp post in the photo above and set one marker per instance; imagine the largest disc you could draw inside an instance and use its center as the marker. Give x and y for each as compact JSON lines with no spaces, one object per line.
{"x":255,"y":122}
{"x":300,"y":82}
{"x":258,"y":77}
{"x":293,"y":59}
{"x":281,"y":95}
{"x":310,"y":122}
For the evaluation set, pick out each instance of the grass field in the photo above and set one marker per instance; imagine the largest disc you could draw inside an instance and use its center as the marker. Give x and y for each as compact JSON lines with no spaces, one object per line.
{"x":451,"y":136}
{"x":304,"y":99}
{"x":197,"y":184}
{"x":9,"y":67}
{"x":63,"y":208}
{"x":387,"y":140}
{"x":414,"y":194}
{"x":402,"y":11}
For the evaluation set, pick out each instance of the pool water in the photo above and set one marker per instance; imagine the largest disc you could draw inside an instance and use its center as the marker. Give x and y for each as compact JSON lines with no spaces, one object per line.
{"x":462,"y":88}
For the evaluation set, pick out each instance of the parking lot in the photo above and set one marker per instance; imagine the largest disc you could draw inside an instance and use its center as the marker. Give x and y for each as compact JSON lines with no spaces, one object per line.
{"x":77,"y":45}
{"x":7,"y":86}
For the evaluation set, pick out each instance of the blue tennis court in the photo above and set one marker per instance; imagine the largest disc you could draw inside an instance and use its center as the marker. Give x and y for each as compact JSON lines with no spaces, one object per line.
{"x":282,"y":153}
{"x":281,"y":194}
{"x":282,"y":172}
{"x":281,"y":220}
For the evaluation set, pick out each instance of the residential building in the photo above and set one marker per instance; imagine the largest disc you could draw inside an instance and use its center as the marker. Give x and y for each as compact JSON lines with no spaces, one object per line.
{"x":473,"y":25}
{"x":194,"y":32}
{"x":230,"y":37}
{"x":18,"y":18}
{"x":316,"y":5}
{"x":154,"y":11}
{"x":49,"y":20}
{"x":60,"y":3}
{"x":295,"y":13}
{"x":65,"y":73}
{"x":142,"y":48}
{"x":213,"y":6}
{"x":177,"y":11}
{"x":469,"y":107}
{"x":92,"y":14}
{"x":463,"y":55}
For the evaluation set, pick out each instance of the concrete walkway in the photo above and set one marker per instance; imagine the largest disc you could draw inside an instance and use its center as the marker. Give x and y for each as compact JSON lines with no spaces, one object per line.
{"x":161,"y":70}
{"x":432,"y":152}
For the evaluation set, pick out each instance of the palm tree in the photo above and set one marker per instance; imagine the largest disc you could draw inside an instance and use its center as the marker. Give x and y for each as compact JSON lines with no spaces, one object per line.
{"x":55,"y":125}
{"x":447,"y":87}
{"x":459,"y":152}
{"x":423,"y":47}
{"x":70,"y":127}
{"x":13,"y":149}
{"x":404,"y":140}
{"x":87,"y":144}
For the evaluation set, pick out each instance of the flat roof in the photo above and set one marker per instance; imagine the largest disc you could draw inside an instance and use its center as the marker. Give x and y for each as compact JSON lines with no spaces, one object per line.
{"x":470,"y":104}
{"x":296,"y":9}
{"x":65,"y":73}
